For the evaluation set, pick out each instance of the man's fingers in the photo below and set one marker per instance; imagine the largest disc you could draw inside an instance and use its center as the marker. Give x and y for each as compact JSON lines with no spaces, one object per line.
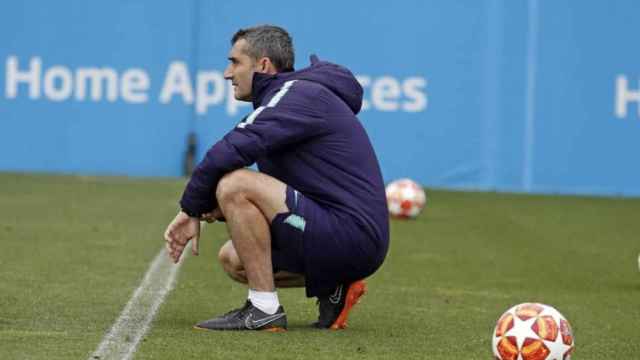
{"x":176,"y":255}
{"x":173,"y":251}
{"x":205,"y":217}
{"x":179,"y":247}
{"x":179,"y":232}
{"x":217,"y":214}
{"x":196,"y":239}
{"x":194,"y":245}
{"x":175,"y":237}
{"x":208,"y":217}
{"x":168,"y":241}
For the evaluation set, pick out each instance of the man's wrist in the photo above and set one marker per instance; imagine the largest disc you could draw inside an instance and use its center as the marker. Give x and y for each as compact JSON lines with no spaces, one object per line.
{"x":190,"y":213}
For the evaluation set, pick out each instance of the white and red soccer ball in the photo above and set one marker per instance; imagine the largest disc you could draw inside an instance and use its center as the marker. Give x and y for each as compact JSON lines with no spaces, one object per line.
{"x":532,"y":331}
{"x":405,"y":198}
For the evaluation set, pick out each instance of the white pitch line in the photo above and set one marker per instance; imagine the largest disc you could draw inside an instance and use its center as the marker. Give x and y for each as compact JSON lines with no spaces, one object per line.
{"x":125,"y":334}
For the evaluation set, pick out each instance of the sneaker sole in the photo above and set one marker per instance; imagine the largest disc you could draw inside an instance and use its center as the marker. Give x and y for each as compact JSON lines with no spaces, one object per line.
{"x":271,"y":329}
{"x":355,"y":292}
{"x":275,"y":330}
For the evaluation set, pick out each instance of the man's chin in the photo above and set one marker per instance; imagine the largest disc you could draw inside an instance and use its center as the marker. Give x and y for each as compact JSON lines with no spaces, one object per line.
{"x":243,"y":98}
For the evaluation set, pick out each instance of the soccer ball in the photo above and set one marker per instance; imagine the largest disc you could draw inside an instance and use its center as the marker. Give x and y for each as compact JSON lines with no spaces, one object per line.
{"x":405,"y":198}
{"x":532,"y":331}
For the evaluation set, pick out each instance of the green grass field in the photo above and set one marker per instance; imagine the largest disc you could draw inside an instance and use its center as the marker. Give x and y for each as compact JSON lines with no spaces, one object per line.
{"x":73,"y":249}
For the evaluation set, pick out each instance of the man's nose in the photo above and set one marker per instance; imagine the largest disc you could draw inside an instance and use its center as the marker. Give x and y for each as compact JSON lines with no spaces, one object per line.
{"x":228,"y":75}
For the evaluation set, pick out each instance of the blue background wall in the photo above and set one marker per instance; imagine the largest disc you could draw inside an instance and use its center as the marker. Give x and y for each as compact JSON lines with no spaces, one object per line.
{"x":491,"y":95}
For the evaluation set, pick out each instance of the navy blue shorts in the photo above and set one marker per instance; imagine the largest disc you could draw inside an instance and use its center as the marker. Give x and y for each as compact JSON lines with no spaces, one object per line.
{"x":326,"y":246}
{"x":287,"y":235}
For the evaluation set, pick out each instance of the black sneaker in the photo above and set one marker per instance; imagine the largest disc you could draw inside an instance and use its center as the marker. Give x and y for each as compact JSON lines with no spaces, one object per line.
{"x":247,"y":317}
{"x":335,"y":308}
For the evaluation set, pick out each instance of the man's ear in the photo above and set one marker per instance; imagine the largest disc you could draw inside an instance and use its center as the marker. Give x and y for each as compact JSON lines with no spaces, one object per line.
{"x":266,"y":66}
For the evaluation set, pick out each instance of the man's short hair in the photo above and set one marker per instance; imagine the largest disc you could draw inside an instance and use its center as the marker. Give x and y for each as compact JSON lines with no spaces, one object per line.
{"x":268,"y":41}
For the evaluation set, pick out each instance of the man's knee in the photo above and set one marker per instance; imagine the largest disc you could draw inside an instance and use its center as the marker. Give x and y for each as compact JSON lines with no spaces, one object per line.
{"x":232,"y":185}
{"x":249,"y":190}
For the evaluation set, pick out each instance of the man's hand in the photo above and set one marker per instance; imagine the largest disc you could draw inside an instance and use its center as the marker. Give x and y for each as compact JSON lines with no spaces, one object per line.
{"x":182,"y":229}
{"x":215,"y":215}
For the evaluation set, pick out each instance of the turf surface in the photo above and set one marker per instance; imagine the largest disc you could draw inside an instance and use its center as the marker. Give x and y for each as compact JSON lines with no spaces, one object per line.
{"x":74,"y":249}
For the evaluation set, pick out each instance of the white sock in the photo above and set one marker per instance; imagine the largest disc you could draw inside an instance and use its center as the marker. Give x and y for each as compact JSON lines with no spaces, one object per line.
{"x":266,"y":301}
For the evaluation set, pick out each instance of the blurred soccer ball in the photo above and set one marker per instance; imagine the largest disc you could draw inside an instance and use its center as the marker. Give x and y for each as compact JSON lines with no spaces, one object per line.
{"x":405,"y":198}
{"x":532,"y":331}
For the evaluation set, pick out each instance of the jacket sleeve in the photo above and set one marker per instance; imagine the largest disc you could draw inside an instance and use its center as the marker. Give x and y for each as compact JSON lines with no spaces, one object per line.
{"x":292,"y":115}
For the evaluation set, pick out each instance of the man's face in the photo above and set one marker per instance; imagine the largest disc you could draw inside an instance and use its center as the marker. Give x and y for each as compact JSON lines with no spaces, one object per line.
{"x":240,"y":71}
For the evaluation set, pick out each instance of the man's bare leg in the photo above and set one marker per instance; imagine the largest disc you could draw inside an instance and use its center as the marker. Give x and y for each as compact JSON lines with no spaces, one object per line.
{"x":249,"y":201}
{"x":233,"y":267}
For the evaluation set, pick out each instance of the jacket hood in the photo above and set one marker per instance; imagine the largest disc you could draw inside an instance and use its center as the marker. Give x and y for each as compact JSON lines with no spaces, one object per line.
{"x":334,"y":77}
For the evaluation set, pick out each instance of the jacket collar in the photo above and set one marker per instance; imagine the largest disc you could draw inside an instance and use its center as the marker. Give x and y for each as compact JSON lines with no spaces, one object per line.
{"x":263,"y":83}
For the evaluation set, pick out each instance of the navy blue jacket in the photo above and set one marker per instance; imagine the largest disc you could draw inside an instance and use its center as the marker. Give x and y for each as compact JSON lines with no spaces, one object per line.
{"x":305,"y":133}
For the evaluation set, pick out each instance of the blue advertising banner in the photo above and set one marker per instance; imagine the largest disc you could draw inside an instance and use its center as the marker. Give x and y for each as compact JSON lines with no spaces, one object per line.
{"x":528,"y":95}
